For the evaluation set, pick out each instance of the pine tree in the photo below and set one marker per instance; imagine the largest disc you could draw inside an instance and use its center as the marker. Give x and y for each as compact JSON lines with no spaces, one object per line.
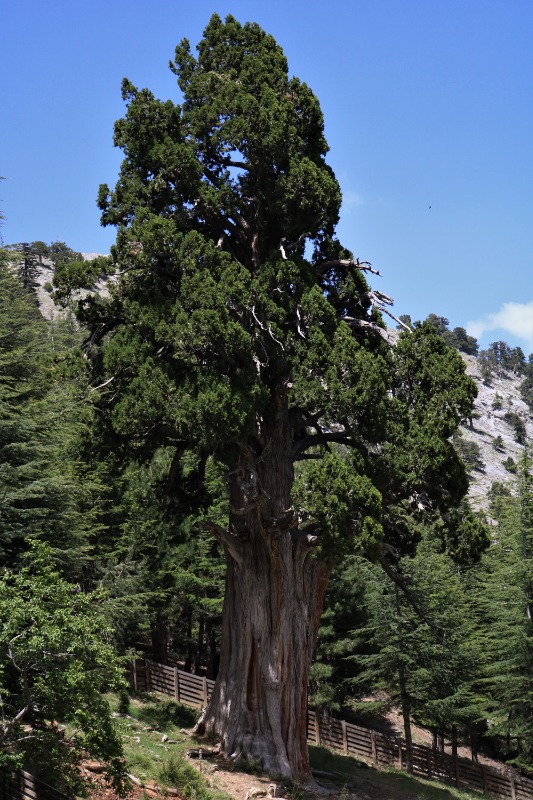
{"x":501,"y":599}
{"x":162,"y":570}
{"x":417,"y":647}
{"x":43,"y":423}
{"x":25,"y":501}
{"x":335,"y":670}
{"x":526,"y":387}
{"x":27,"y":266}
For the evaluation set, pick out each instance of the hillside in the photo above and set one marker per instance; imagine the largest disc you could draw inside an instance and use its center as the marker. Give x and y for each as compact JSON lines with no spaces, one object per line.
{"x":45,"y":275}
{"x":488,"y":422}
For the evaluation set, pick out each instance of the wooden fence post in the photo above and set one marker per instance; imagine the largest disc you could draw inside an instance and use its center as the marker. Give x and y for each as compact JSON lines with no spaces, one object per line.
{"x":456,"y":771}
{"x":428,"y":762}
{"x":204,"y":688}
{"x":344,"y":737}
{"x":400,"y":758}
{"x":513,"y":787}
{"x":148,"y":676}
{"x":484,"y":779}
{"x":176,"y":685}
{"x":374,"y":748}
{"x":317,"y":728}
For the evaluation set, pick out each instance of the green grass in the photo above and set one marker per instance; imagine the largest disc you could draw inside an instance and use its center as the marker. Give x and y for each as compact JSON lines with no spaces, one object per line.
{"x":152,"y":760}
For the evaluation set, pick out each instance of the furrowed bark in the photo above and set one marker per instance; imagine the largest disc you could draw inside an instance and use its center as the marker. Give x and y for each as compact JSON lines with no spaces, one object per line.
{"x":272,"y":607}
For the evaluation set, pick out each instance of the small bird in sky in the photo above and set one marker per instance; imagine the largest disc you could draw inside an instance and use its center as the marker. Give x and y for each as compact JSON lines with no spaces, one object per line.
{"x":429,"y":206}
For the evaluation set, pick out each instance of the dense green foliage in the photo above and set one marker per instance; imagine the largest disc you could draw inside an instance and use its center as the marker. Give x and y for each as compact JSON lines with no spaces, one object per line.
{"x":32,"y":498}
{"x":54,"y":662}
{"x":500,"y":600}
{"x":469,"y":451}
{"x":54,"y":665}
{"x":457,"y":337}
{"x":517,"y":424}
{"x":499,"y":359}
{"x":31,"y":258}
{"x":218,"y":311}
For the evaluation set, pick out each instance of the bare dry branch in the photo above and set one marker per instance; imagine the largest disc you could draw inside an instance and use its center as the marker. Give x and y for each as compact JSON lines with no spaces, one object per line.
{"x":8,"y":726}
{"x":364,"y":324}
{"x":298,"y":320}
{"x":274,"y":338}
{"x":105,"y":383}
{"x":228,"y":540}
{"x":228,"y":162}
{"x":301,"y":239}
{"x":362,"y":266}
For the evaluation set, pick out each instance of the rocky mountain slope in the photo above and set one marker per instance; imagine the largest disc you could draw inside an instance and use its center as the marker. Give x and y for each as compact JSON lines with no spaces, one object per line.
{"x":494,"y":401}
{"x":44,"y":286}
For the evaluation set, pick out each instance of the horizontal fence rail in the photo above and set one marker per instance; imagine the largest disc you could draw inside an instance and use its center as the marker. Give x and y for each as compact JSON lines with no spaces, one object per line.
{"x":21,"y":785}
{"x":354,"y":740}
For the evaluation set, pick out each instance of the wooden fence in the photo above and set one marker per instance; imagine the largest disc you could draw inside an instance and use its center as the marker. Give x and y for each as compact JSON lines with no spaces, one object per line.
{"x":354,"y":740}
{"x":191,"y":690}
{"x":23,"y":786}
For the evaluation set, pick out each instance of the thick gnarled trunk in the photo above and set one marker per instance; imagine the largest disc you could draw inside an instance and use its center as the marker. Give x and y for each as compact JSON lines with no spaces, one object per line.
{"x":274,"y":595}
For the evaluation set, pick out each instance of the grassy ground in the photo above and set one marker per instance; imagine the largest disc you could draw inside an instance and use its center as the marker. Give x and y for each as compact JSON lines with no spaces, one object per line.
{"x":155,"y":746}
{"x":363,"y":780}
{"x":164,"y":763}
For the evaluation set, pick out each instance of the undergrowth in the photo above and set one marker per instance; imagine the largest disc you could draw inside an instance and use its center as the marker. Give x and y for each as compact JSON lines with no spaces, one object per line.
{"x":155,"y":744}
{"x":179,"y":773}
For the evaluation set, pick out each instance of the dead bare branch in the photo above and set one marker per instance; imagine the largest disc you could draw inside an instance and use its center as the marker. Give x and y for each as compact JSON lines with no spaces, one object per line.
{"x":346,"y":263}
{"x":364,"y":324}
{"x":228,"y":540}
{"x":101,"y":385}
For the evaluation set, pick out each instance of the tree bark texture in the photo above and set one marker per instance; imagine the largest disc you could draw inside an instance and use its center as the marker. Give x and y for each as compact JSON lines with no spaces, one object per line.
{"x":273,"y":601}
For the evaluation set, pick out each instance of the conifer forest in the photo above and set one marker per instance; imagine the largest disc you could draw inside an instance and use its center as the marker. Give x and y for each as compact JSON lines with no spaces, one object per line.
{"x":221,"y":450}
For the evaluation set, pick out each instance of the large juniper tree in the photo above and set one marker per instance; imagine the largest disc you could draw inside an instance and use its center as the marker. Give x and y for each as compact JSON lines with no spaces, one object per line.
{"x":241,"y":334}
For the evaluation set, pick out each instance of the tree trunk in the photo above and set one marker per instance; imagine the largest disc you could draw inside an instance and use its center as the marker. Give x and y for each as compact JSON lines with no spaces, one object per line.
{"x":159,"y":639}
{"x":405,"y":702}
{"x":199,"y":657}
{"x":273,"y":600}
{"x":214,"y":657}
{"x":188,"y":636}
{"x":454,"y":741}
{"x":474,"y":746}
{"x":405,"y":699}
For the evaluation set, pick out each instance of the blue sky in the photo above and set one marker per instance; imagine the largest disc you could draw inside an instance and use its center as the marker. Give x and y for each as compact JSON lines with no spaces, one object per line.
{"x":429,"y":116}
